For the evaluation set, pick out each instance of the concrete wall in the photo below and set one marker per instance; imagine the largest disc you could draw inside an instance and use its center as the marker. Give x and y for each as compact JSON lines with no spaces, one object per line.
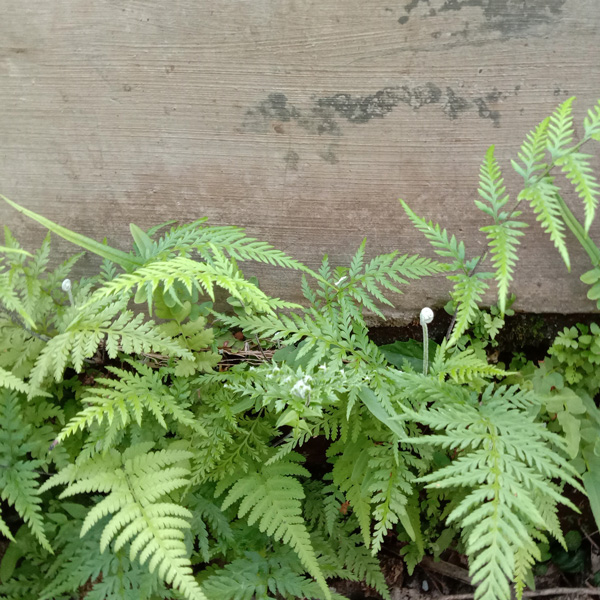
{"x":302,"y":120}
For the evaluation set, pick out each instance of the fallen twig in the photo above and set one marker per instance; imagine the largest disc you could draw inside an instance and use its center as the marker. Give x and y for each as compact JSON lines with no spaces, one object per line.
{"x":446,"y":569}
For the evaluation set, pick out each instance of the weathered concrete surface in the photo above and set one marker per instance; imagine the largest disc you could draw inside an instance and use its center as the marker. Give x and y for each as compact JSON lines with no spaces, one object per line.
{"x":302,"y":120}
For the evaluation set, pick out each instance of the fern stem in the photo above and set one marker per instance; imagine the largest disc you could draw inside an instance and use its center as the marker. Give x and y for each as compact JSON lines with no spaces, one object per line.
{"x":426,"y":317}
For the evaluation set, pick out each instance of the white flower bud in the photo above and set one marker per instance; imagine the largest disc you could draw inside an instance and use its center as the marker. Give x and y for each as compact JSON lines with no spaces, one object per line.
{"x":66,"y":285}
{"x":426,"y":316}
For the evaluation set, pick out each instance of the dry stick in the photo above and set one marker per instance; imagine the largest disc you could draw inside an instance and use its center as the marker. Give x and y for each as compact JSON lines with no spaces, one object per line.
{"x":537,"y":593}
{"x":445,"y":568}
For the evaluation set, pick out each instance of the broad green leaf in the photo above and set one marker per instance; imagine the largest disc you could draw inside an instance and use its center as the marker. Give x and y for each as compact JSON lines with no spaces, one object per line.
{"x":127,"y":261}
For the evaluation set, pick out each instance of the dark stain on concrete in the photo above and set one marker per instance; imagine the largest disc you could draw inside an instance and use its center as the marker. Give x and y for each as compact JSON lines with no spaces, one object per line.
{"x":360,"y":109}
{"x":413,"y":4}
{"x":508,"y":17}
{"x":323,"y":117}
{"x":486,"y":113}
{"x":275,"y":107}
{"x":454,"y":105}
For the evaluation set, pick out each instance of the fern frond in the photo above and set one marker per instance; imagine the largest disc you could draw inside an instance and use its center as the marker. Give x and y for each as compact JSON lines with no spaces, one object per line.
{"x":465,"y":367}
{"x":257,"y":577}
{"x":591,"y":123}
{"x":194,"y":276}
{"x":90,"y":329}
{"x":390,"y":484}
{"x":18,"y":473}
{"x":503,"y":234}
{"x":350,"y":471}
{"x":11,"y":300}
{"x":542,"y":199}
{"x":444,"y":245}
{"x":508,"y":460}
{"x":351,"y":552}
{"x":560,"y":129}
{"x":126,"y":398}
{"x":532,"y":153}
{"x":576,"y":167}
{"x":271,"y":497}
{"x":8,"y":380}
{"x":136,"y":481}
{"x":467,"y":293}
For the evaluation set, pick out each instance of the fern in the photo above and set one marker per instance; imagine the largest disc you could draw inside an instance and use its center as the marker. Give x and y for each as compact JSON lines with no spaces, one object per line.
{"x":135,"y":482}
{"x":467,"y":294}
{"x":532,"y":153}
{"x":506,"y":460}
{"x":18,"y":474}
{"x":126,"y":398}
{"x":390,"y":484}
{"x":193,"y":275}
{"x":271,"y":496}
{"x":542,"y":198}
{"x":591,"y":123}
{"x":464,"y":366}
{"x":577,"y":168}
{"x":8,"y":380}
{"x":255,"y":577}
{"x":445,"y":246}
{"x":504,"y":233}
{"x":560,"y":129}
{"x":89,"y":329}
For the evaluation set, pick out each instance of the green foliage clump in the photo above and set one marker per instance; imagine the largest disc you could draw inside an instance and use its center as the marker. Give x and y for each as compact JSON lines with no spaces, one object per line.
{"x":135,"y":462}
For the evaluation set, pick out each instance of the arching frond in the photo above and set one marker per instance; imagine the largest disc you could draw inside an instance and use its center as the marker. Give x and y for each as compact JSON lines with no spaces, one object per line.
{"x":136,"y":483}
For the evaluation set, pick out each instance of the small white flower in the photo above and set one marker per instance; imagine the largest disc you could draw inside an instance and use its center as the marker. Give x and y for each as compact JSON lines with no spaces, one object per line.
{"x":66,"y":285}
{"x":301,"y":387}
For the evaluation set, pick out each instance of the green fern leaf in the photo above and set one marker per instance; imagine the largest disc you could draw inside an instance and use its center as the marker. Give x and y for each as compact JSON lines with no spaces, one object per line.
{"x":506,"y":459}
{"x":8,"y":380}
{"x":194,"y":276}
{"x":19,"y":473}
{"x":271,"y":497}
{"x":542,"y":199}
{"x":560,"y":129}
{"x":504,"y":233}
{"x":591,"y":123}
{"x":467,"y":294}
{"x":443,"y":244}
{"x":577,"y":168}
{"x":126,"y":398}
{"x":532,"y":153}
{"x":85,"y":334}
{"x":390,"y":484}
{"x":136,"y":483}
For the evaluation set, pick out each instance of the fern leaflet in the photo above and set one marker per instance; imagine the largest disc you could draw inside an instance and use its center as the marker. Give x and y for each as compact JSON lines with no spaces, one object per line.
{"x":18,"y":473}
{"x":505,"y":460}
{"x":504,"y":233}
{"x":576,"y":167}
{"x":560,"y":129}
{"x":271,"y":496}
{"x":136,"y":482}
{"x":467,"y":293}
{"x":591,"y":123}
{"x":542,"y":199}
{"x":532,"y":153}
